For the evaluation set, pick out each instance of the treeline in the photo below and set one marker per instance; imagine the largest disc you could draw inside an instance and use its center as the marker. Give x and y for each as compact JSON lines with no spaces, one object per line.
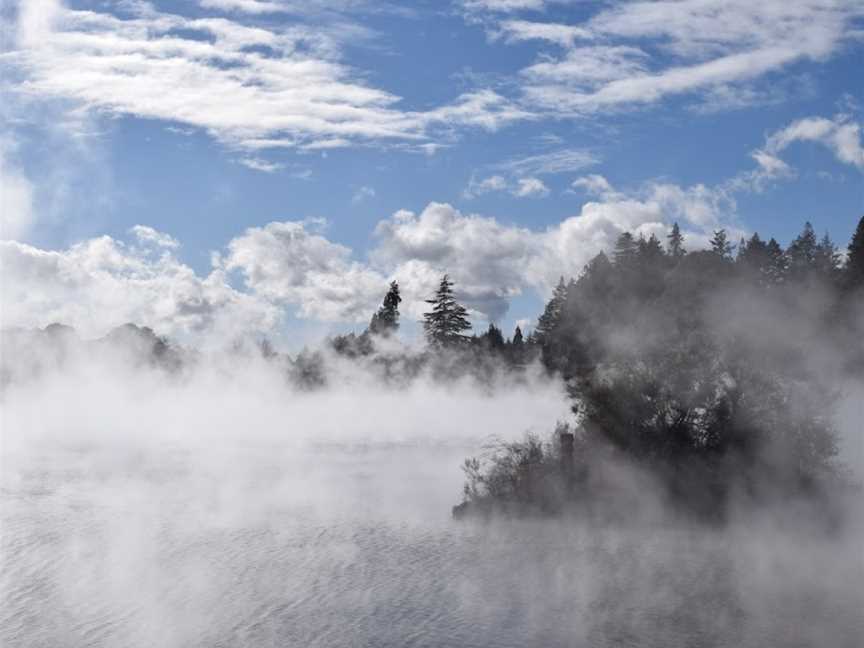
{"x":715,"y":370}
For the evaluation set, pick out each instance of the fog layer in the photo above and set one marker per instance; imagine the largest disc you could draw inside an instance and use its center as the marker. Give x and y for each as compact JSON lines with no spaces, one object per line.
{"x":223,"y":508}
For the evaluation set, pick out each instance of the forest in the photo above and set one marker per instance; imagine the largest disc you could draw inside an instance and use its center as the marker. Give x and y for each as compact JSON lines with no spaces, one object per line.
{"x":712,"y":372}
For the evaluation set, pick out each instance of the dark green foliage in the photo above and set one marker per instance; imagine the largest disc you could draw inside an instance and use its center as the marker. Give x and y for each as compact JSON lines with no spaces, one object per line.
{"x":678,"y":366}
{"x":720,"y":244}
{"x":385,"y":322}
{"x":676,"y":242}
{"x":854,"y":271}
{"x":446,"y":323}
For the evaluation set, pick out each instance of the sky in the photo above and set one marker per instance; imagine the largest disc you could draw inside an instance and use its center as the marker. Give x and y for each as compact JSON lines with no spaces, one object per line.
{"x":217,"y":167}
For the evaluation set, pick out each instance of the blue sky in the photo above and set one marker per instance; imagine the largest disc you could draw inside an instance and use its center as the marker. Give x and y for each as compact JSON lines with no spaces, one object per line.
{"x":223,"y":165}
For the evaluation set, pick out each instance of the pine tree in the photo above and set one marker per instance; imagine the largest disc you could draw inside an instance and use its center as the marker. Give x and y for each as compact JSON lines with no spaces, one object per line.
{"x":802,"y":252}
{"x":386,"y":321}
{"x":493,"y":338}
{"x":854,"y":270}
{"x":517,"y":337}
{"x":548,"y":321}
{"x":720,"y":244}
{"x":445,"y":323}
{"x":827,"y":260}
{"x":626,"y":249}
{"x":676,"y":242}
{"x":775,"y":271}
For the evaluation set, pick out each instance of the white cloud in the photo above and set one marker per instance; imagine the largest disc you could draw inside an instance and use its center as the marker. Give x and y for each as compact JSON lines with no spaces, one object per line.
{"x":250,"y":85}
{"x":486,"y":185}
{"x":16,"y":197}
{"x":504,"y":6}
{"x":841,"y":136}
{"x":530,"y":187}
{"x":562,"y":161}
{"x":595,"y":185}
{"x":629,"y":54}
{"x":362,"y":194}
{"x":524,"y":30}
{"x":102,"y":283}
{"x":259,"y":164}
{"x":285,"y":263}
{"x":149,"y":236}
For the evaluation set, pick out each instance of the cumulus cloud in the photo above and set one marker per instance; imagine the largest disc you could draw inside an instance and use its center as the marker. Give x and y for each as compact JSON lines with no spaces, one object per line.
{"x":148,"y":235}
{"x":291,"y":266}
{"x":102,"y":282}
{"x":286,"y":263}
{"x":530,"y":187}
{"x":521,"y":187}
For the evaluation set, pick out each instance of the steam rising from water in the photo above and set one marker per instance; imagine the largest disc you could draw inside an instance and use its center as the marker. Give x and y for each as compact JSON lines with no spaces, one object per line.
{"x":224,"y":509}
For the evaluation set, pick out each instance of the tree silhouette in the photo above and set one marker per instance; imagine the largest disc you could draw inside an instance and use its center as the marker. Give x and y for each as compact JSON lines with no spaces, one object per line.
{"x":676,"y":242}
{"x":854,"y":271}
{"x":445,"y":323}
{"x":720,"y":244}
{"x":385,"y":322}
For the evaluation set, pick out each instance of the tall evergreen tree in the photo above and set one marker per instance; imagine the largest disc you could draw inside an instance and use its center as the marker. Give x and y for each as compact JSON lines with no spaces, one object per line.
{"x":518,"y":340}
{"x":720,"y":244}
{"x":626,"y":249}
{"x":445,"y":323}
{"x":676,"y":242}
{"x":385,"y":322}
{"x":854,"y":270}
{"x":827,"y":260}
{"x":551,"y":316}
{"x":802,"y":252}
{"x":777,"y":262}
{"x":493,"y":338}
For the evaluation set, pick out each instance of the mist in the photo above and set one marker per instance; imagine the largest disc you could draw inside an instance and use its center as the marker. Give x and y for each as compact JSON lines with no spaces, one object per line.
{"x":225,"y":505}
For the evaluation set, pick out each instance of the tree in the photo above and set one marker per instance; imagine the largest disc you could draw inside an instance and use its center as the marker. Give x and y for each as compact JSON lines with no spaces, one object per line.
{"x":517,"y":337}
{"x":827,"y":260}
{"x":548,"y":321}
{"x":445,"y":323}
{"x":676,"y":242}
{"x":777,"y":263}
{"x":493,"y":339}
{"x":626,"y":249}
{"x":854,"y":270}
{"x":386,"y":321}
{"x":720,"y":244}
{"x":802,"y":252}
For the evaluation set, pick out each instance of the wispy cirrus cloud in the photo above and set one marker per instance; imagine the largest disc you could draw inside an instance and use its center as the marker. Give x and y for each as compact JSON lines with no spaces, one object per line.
{"x":638,"y":53}
{"x":252,"y":85}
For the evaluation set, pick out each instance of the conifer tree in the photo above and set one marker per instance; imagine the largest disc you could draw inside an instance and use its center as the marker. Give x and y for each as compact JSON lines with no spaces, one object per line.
{"x":854,"y":270}
{"x":385,"y":322}
{"x":676,"y":242}
{"x":720,"y":244}
{"x":493,"y":338}
{"x":517,"y":337}
{"x":551,"y":316}
{"x":802,"y":252}
{"x":777,"y":262}
{"x":626,"y":249}
{"x":827,"y":260}
{"x":445,"y":323}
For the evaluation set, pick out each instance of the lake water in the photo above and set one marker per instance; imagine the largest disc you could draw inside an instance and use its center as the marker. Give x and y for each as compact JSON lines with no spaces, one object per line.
{"x":346,"y":544}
